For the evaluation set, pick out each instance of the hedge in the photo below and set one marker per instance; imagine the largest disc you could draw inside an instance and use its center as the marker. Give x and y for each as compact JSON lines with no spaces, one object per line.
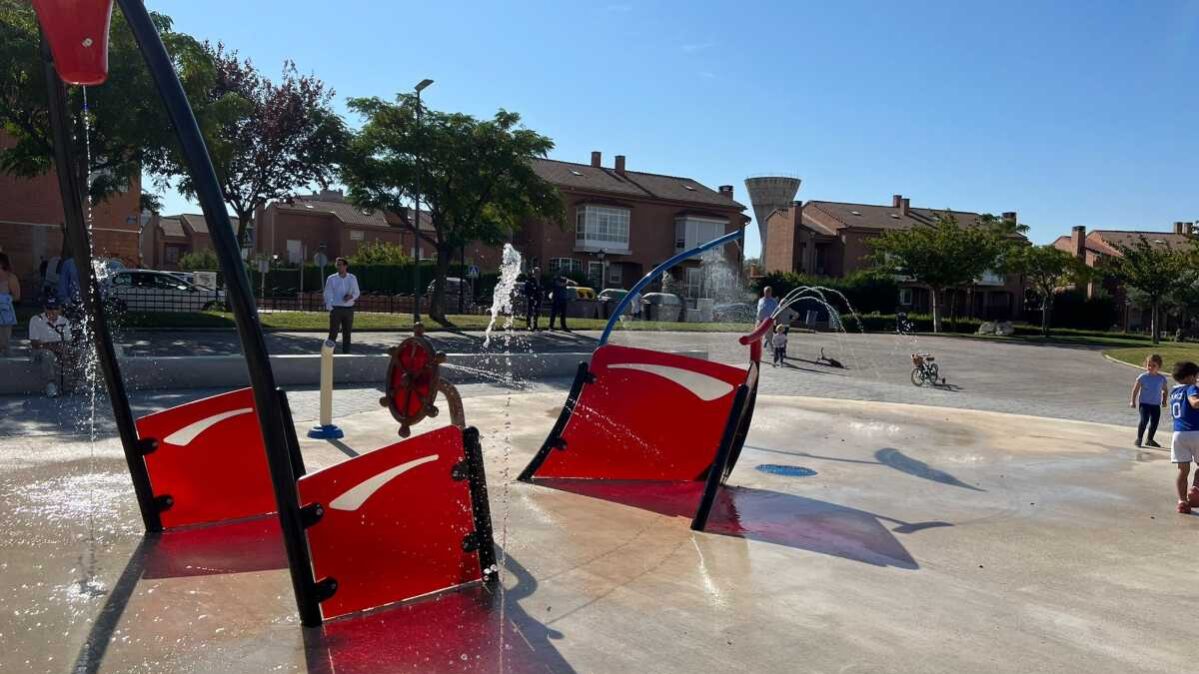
{"x":868,"y":293}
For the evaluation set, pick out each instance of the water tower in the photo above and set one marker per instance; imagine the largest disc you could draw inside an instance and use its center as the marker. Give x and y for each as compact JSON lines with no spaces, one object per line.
{"x":768,"y":194}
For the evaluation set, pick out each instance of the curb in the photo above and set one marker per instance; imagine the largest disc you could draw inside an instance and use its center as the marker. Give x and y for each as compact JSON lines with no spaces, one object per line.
{"x":1117,"y":361}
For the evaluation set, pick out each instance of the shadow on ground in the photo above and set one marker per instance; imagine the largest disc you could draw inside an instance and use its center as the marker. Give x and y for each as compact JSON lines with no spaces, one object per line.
{"x":762,"y":515}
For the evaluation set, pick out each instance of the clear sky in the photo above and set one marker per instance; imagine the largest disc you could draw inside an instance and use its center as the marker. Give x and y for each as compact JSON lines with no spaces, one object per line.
{"x":1069,"y":112}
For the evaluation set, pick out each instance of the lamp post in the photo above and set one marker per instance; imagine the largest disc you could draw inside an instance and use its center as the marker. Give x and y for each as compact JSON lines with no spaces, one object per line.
{"x":416,"y":290}
{"x":603,"y":269}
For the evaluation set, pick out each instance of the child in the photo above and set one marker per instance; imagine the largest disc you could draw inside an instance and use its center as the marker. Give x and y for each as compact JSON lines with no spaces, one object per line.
{"x":1184,"y":407}
{"x":1149,"y":393}
{"x":787,"y":334}
{"x":779,"y":342}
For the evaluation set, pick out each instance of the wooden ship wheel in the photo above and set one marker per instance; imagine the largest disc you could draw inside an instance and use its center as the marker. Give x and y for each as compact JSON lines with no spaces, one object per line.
{"x":413,"y":382}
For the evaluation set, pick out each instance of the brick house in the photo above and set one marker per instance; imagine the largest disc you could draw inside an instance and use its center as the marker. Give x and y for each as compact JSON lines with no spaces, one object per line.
{"x":301,"y":226}
{"x":31,"y":222}
{"x":622,"y":223}
{"x":830,"y":238}
{"x":1097,"y":249}
{"x":166,"y":239}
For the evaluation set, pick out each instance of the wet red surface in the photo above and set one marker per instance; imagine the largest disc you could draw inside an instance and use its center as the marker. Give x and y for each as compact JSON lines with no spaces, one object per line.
{"x":648,"y":416}
{"x":394,"y":523}
{"x":210,"y":460}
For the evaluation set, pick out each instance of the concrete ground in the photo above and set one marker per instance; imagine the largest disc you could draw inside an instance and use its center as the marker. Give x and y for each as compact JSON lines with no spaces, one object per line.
{"x":1066,"y":382}
{"x":910,"y":538}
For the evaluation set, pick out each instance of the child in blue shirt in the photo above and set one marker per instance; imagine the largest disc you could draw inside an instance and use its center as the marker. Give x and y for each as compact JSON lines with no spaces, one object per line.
{"x":1184,"y":408}
{"x":1149,"y":394}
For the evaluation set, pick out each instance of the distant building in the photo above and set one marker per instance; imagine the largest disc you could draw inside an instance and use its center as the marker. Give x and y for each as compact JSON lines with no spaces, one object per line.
{"x":31,"y":222}
{"x":830,"y":238}
{"x":166,"y":239}
{"x":622,"y":223}
{"x":1098,"y":248}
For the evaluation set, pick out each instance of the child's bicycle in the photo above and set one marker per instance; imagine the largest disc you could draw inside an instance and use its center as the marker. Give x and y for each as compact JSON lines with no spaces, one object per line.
{"x":926,"y":371}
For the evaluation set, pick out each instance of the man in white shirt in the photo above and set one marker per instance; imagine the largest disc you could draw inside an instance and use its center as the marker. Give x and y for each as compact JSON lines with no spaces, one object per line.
{"x":48,"y":333}
{"x":341,"y":291}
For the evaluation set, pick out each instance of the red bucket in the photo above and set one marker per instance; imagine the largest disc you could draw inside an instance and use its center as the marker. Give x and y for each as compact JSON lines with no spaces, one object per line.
{"x":78,"y":35}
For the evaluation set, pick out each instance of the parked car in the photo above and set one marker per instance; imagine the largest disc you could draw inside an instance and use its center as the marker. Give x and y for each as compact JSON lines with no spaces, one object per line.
{"x":663,"y":307}
{"x":145,"y":290}
{"x":185,"y":276}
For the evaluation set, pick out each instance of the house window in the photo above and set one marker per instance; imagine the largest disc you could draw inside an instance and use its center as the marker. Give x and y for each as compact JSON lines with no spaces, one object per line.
{"x":695,"y":283}
{"x":905,"y":297}
{"x":615,"y":278}
{"x":690,"y":231}
{"x":357,"y":235}
{"x":602,"y":227}
{"x":565,"y":265}
{"x":595,"y":272}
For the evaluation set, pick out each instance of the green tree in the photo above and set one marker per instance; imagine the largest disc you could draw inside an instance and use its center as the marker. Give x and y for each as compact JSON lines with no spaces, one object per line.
{"x":128,"y":127}
{"x":266,"y":139}
{"x":199,"y":260}
{"x":941,"y":255}
{"x":380,"y":252}
{"x":1046,"y":270}
{"x":1155,"y":270}
{"x":477,"y":181}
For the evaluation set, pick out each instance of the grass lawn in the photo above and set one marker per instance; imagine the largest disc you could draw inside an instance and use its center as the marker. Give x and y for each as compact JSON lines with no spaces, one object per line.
{"x":1170,"y":353}
{"x":319,"y":321}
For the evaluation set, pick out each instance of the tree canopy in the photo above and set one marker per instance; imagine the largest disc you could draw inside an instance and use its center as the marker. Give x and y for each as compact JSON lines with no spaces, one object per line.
{"x":476,"y":178}
{"x":1046,"y":270}
{"x":941,"y":255}
{"x":266,"y":139}
{"x":1155,"y":271}
{"x":129,"y":130}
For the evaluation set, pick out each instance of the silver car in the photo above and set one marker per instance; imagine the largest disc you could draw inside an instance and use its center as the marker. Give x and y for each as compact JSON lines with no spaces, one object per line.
{"x":144,"y":290}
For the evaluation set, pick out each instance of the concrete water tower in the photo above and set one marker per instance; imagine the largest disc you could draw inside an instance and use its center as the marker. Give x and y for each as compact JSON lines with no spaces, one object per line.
{"x":768,"y":194}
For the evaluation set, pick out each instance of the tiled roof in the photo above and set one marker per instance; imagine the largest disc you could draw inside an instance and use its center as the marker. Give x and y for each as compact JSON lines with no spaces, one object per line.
{"x":342,"y":210}
{"x":172,"y":227}
{"x":632,"y":183}
{"x":1105,"y":240}
{"x":197,"y":222}
{"x":840,"y":215}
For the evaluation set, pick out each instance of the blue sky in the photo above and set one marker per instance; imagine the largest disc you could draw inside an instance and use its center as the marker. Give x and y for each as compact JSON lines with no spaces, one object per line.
{"x":1069,"y":113}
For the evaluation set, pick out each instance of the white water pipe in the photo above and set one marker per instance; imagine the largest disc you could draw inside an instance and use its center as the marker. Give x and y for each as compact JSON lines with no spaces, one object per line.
{"x":326,"y":429}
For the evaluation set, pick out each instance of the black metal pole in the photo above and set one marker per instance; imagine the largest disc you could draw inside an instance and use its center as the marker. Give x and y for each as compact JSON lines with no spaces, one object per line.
{"x":262,"y":379}
{"x":81,"y":247}
{"x":462,"y":281}
{"x":416,"y":294}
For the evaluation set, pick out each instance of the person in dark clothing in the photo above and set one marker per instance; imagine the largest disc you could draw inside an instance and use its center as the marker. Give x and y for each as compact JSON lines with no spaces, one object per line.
{"x":559,"y":301}
{"x":533,"y":295}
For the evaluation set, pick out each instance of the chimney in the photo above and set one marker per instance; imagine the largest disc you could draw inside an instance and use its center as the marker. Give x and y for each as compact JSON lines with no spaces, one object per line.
{"x":1179,"y":227}
{"x":1078,"y":241}
{"x":905,"y":206}
{"x":896,"y":201}
{"x":727,"y":190}
{"x":1010,"y":216}
{"x":620,"y":164}
{"x":595,"y":158}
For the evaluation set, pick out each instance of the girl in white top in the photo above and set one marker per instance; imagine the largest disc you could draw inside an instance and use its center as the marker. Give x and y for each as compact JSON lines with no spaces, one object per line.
{"x":779,"y":342}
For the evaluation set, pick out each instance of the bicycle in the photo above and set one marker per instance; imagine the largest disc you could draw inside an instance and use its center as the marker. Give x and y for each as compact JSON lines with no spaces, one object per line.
{"x":926,"y":371}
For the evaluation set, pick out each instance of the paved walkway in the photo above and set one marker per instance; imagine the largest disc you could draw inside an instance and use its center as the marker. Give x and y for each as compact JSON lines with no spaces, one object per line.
{"x":1051,"y":381}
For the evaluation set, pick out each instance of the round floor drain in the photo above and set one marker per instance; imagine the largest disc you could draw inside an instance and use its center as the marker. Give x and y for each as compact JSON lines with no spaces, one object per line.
{"x":787,"y":471}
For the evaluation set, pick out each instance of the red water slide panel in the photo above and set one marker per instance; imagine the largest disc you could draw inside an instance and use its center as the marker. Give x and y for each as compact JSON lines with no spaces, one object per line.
{"x":648,"y":416}
{"x":210,"y":460}
{"x":394,"y":523}
{"x":78,"y":34}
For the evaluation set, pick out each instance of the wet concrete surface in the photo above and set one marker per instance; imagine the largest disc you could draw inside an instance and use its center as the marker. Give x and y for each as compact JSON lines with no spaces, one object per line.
{"x":916,"y":539}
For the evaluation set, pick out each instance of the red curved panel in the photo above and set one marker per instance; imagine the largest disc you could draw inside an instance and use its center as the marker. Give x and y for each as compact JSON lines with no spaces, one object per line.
{"x":394,"y":523}
{"x":647,"y":416}
{"x":78,"y":34}
{"x":210,"y":460}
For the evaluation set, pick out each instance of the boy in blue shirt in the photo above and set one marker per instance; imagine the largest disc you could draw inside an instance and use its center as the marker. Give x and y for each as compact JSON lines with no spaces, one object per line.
{"x":1184,"y":407}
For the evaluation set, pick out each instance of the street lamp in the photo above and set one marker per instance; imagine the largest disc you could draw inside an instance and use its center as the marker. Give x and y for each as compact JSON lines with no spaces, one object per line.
{"x":416,"y":290}
{"x":603,"y":268}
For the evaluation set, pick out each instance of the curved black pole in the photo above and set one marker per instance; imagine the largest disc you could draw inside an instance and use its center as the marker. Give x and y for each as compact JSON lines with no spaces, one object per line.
{"x":262,"y":379}
{"x":81,"y":251}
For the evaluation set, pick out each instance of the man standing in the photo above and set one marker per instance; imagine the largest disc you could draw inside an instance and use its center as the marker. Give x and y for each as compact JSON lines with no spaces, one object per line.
{"x":533,"y":293}
{"x":767,"y":304}
{"x":47,"y":341}
{"x":559,"y":300}
{"x":341,"y":291}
